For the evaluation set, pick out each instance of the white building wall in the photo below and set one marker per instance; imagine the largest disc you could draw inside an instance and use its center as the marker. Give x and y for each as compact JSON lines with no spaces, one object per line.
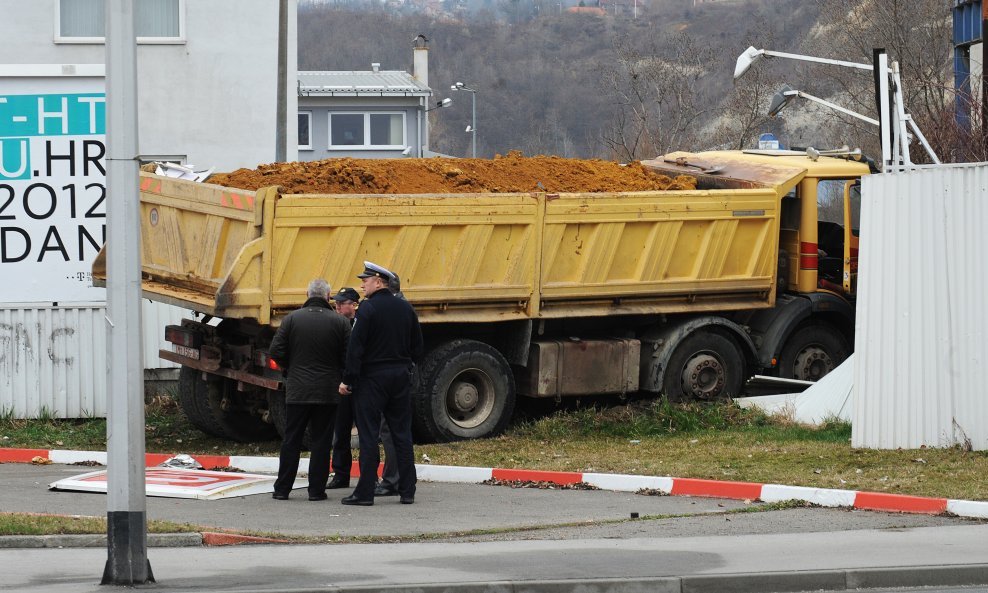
{"x":211,"y":99}
{"x":921,"y":342}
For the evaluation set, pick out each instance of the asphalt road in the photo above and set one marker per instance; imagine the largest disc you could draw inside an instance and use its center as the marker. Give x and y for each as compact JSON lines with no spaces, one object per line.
{"x":500,"y":539}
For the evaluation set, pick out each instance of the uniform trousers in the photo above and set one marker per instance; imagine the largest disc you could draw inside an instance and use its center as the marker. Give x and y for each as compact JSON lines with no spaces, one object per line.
{"x":387,"y":393}
{"x":343,"y":455}
{"x":319,"y":418}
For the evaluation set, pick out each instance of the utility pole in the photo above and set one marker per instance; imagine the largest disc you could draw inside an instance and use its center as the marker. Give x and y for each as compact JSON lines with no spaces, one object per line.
{"x":126,"y":518}
{"x":280,"y":132}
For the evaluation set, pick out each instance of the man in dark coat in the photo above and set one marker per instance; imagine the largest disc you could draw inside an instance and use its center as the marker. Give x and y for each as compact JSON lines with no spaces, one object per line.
{"x":386,"y":340}
{"x":311,"y":346}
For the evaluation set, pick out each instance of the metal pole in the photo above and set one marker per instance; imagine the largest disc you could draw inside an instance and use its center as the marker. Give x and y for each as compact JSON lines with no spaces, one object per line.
{"x":127,"y":562}
{"x":473,"y":121}
{"x":280,"y":132}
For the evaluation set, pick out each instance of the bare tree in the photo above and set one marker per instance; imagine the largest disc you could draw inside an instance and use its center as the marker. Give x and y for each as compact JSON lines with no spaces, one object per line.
{"x":654,"y":93}
{"x":917,"y":34}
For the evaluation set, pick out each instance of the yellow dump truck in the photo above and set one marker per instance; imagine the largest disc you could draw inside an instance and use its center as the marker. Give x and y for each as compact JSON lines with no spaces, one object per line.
{"x":542,"y":295}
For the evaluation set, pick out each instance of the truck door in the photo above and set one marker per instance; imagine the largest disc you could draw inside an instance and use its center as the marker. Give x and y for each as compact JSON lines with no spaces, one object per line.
{"x":852,"y":225}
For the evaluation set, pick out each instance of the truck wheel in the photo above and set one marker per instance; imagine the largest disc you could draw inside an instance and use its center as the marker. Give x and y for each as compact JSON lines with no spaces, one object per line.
{"x":812,"y":351}
{"x":278,"y":415}
{"x":194,"y":401}
{"x":465,"y":391}
{"x":704,"y":366}
{"x":237,"y":423}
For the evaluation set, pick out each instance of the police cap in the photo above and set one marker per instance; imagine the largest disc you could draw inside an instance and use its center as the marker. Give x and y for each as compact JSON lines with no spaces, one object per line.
{"x":371,"y":270}
{"x":346,"y":294}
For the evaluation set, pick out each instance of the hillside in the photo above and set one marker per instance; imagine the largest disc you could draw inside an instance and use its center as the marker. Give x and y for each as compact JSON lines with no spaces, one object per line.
{"x":563,"y":83}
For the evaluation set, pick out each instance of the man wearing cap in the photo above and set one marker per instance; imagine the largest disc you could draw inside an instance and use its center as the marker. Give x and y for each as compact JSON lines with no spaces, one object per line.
{"x":386,"y":339}
{"x":346,"y":305}
{"x":311,"y":346}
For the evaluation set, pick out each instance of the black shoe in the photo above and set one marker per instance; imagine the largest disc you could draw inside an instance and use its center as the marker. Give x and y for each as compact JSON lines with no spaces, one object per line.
{"x":338,"y":482}
{"x":320,"y":496}
{"x":384,"y":490}
{"x":407,"y":500}
{"x":361,"y":502}
{"x":279,"y":496}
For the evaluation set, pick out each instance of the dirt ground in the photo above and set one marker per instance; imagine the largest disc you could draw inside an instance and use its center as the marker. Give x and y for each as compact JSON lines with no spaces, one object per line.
{"x":511,"y":173}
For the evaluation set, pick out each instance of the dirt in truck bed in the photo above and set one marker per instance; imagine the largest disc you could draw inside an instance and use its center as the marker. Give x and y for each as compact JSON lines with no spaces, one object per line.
{"x":502,"y":174}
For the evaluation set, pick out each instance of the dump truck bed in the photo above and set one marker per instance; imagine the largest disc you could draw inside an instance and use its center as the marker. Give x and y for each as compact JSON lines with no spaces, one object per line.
{"x":462,"y":257}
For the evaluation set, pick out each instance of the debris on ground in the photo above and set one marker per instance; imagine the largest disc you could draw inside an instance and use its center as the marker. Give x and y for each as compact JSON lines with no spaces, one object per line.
{"x":511,"y":173}
{"x":227,"y":468}
{"x":88,"y":463}
{"x":39,"y":460}
{"x":541,"y":484}
{"x":651,"y":492}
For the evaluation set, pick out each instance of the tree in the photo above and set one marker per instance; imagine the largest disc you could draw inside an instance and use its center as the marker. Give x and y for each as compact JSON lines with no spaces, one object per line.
{"x":655,"y":98}
{"x":917,"y":34}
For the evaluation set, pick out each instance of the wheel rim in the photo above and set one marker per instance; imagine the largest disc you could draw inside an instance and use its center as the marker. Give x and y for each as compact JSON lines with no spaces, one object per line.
{"x":704,"y":376}
{"x":812,"y":363}
{"x":470,"y":398}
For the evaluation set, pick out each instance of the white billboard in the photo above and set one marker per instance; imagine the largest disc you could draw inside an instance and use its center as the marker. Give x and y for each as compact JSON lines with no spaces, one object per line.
{"x":52,"y":187}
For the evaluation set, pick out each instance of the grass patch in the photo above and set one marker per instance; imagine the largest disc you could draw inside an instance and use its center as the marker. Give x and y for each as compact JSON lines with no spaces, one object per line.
{"x":644,"y":437}
{"x":31,"y":524}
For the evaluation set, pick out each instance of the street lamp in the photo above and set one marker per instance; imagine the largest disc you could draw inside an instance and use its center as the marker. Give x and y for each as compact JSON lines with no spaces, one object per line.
{"x":472,"y":128}
{"x":424,"y":125}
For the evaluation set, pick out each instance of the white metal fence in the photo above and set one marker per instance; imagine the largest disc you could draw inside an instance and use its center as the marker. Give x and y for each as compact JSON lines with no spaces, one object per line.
{"x":922,"y":329}
{"x":53,"y":358}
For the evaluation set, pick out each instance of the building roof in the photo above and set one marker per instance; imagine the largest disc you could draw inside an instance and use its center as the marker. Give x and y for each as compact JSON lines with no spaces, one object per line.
{"x":361,"y":83}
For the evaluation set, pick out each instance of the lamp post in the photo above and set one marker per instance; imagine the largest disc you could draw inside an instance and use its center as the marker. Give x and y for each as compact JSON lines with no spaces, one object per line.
{"x":424,"y":125}
{"x":459,"y":86}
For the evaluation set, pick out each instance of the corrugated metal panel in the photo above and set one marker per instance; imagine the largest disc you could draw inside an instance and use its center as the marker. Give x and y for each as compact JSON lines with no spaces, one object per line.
{"x":53,"y":358}
{"x":922,"y":329}
{"x":387,"y":81}
{"x":156,"y":317}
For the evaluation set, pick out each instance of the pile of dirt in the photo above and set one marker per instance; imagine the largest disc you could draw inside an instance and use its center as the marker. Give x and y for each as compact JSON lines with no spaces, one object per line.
{"x":511,"y":173}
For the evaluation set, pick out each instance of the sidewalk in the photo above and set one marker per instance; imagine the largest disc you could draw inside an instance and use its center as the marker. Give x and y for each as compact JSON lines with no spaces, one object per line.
{"x":500,"y":539}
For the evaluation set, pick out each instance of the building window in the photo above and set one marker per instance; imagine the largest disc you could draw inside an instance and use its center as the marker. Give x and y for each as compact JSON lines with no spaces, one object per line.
{"x":304,"y":130}
{"x":367,"y":130}
{"x":84,"y":21}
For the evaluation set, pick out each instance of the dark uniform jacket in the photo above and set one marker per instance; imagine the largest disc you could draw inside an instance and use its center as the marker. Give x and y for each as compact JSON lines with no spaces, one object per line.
{"x":386,"y":335}
{"x":311,"y":345}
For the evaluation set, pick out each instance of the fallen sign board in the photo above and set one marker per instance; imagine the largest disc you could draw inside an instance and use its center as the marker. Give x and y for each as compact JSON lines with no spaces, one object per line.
{"x":181,"y":483}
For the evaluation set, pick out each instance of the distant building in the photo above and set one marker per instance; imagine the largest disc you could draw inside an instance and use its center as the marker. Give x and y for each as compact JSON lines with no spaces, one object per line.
{"x":365,"y":114}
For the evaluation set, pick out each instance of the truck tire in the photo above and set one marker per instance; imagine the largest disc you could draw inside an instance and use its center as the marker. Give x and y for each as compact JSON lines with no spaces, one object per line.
{"x":236,"y":423}
{"x":465,"y":391}
{"x":278,"y":414}
{"x":704,"y":366}
{"x":194,"y":401}
{"x":812,"y":351}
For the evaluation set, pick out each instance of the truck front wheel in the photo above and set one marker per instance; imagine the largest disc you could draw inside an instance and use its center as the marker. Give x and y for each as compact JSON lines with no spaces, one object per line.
{"x":811,"y":352}
{"x":704,"y":366}
{"x":465,"y":391}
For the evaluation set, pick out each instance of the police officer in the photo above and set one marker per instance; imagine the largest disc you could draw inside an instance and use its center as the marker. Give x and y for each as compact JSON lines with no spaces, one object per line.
{"x":311,"y":346}
{"x":346,"y":305}
{"x":386,"y":339}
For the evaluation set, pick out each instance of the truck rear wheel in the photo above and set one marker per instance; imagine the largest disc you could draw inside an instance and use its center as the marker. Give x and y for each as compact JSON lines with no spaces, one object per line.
{"x":704,"y":366}
{"x":235,"y":421}
{"x":812,"y":351}
{"x":194,"y":401}
{"x":465,"y":391}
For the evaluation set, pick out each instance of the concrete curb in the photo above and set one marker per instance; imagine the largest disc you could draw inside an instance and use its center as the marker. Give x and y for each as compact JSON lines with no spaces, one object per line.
{"x":767,"y":582}
{"x":155,"y":540}
{"x":825,"y":497}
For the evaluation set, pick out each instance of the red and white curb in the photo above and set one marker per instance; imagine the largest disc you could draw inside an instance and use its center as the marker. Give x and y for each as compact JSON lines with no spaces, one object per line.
{"x":825,"y":497}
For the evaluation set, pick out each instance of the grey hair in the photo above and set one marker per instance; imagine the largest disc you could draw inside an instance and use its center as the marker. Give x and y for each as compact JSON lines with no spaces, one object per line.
{"x":318,"y":288}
